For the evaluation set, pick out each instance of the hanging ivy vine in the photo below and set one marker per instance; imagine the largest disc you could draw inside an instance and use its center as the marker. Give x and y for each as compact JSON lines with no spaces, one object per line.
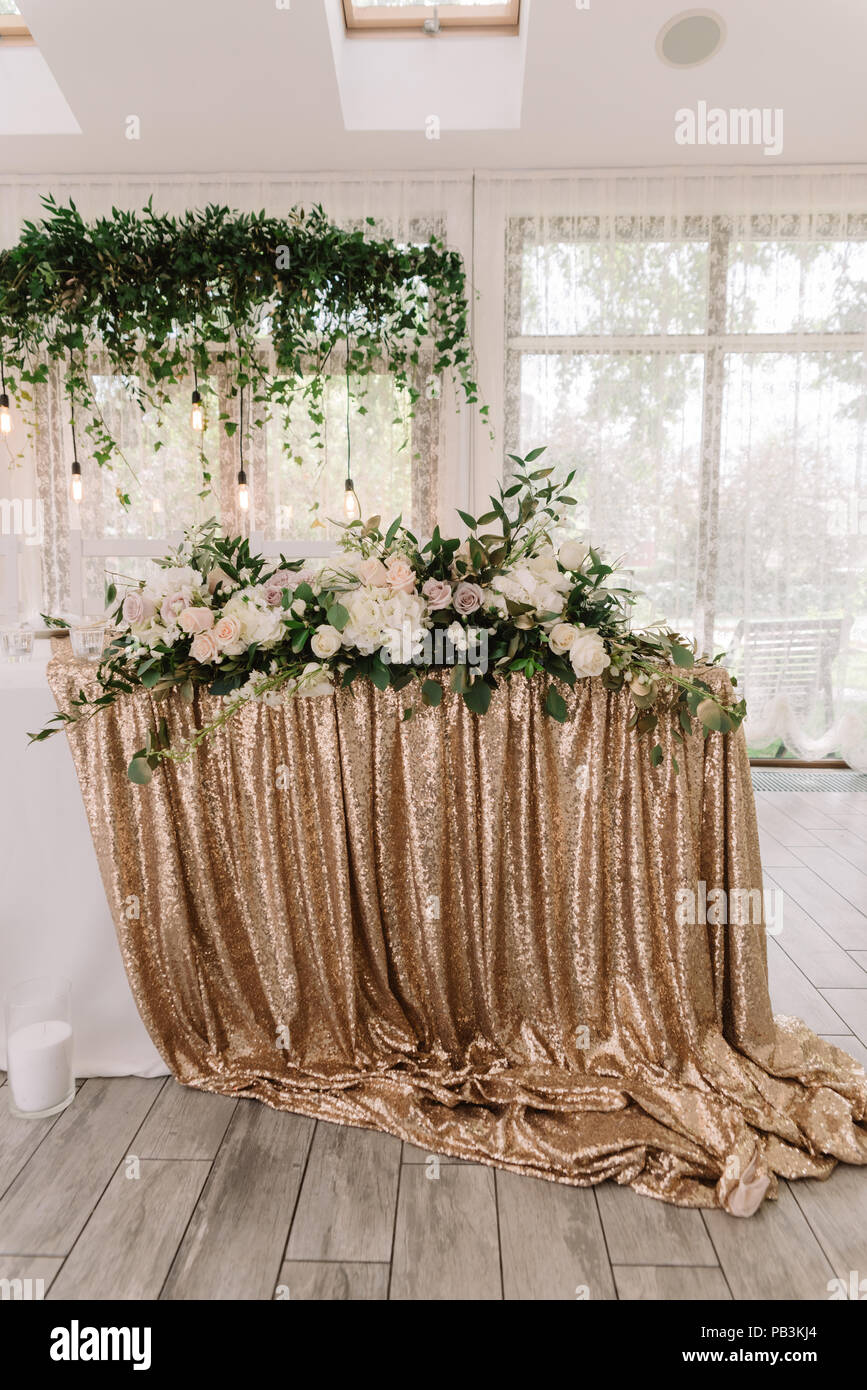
{"x":162,"y":297}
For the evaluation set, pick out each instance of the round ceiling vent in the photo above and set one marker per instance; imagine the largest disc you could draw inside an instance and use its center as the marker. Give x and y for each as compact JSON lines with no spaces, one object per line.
{"x":691,"y":38}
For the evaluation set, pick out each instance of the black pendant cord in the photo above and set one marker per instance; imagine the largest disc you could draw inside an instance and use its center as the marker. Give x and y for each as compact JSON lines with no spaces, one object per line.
{"x":241,"y":429}
{"x":72,"y":421}
{"x":2,"y":378}
{"x":348,"y":427}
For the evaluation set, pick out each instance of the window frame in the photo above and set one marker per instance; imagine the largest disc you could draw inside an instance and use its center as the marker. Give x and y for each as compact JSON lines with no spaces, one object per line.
{"x":391,"y":21}
{"x":14,"y":30}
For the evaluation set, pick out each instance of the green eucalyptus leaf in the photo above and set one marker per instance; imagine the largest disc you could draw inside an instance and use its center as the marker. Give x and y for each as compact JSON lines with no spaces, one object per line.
{"x":431,"y":692}
{"x":555,"y":705}
{"x":338,"y":616}
{"x":478,"y":697}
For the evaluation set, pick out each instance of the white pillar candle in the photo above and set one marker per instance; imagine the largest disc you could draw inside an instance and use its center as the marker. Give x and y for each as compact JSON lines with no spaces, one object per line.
{"x":39,"y":1061}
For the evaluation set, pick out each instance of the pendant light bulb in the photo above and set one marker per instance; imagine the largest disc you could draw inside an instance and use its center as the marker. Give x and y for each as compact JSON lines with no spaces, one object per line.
{"x":5,"y":417}
{"x":197,"y":413}
{"x":76,"y":487}
{"x":351,"y":504}
{"x":243,"y":492}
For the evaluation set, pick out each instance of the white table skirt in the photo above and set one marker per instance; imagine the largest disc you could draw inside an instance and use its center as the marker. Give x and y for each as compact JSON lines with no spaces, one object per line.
{"x":54,"y":918}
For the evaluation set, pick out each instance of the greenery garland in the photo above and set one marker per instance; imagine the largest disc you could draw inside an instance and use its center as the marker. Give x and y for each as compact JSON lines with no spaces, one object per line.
{"x":399,"y":611}
{"x":162,"y":297}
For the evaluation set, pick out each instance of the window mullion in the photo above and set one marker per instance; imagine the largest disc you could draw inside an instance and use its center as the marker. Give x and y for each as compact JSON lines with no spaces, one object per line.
{"x":707,"y":556}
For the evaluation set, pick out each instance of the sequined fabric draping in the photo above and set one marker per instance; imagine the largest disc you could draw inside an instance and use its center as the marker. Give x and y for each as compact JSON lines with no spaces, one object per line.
{"x":467,"y":932}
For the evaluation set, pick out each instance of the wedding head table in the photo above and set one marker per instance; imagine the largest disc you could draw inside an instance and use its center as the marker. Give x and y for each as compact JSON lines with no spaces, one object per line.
{"x":472,"y":933}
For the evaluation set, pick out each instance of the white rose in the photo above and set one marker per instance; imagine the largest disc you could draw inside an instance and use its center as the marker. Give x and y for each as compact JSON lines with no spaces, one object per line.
{"x":572,"y":554}
{"x":588,"y":654}
{"x":562,"y":637}
{"x":326,"y":642}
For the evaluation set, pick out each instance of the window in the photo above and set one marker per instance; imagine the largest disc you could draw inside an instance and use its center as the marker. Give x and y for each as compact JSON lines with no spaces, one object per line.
{"x":296,"y":489}
{"x":707,"y":378}
{"x":13,"y":28}
{"x":383,"y":17}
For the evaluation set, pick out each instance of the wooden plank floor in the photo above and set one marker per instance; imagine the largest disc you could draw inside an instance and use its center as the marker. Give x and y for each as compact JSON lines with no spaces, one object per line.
{"x":144,"y":1189}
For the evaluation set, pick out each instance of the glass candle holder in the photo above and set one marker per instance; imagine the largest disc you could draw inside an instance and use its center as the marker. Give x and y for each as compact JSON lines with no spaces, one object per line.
{"x":17,"y":643}
{"x":88,"y":638}
{"x":39,"y":1078}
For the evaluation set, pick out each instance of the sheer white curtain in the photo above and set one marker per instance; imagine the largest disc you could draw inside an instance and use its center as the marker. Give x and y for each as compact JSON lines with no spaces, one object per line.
{"x":695,"y":347}
{"x":417,"y":465}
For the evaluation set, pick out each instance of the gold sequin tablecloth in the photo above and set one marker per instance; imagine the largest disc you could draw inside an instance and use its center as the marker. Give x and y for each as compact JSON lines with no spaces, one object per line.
{"x":468,"y":932}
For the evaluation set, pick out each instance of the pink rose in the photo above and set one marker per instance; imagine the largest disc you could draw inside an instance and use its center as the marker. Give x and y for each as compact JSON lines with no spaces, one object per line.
{"x":283,"y":579}
{"x":203,"y":647}
{"x":137,"y":608}
{"x":438,"y":593}
{"x":227,"y":631}
{"x":373,"y":571}
{"x":468,"y":597}
{"x":215,"y":577}
{"x":400,"y":575}
{"x":195,"y":620}
{"x":174,"y":604}
{"x":274,"y":594}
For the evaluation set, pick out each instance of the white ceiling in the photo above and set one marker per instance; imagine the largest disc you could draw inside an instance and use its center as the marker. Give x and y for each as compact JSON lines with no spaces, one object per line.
{"x":242,"y":85}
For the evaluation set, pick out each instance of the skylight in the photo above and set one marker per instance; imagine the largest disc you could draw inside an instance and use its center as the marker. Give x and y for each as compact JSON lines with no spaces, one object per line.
{"x":384,"y":17}
{"x":13,"y":27}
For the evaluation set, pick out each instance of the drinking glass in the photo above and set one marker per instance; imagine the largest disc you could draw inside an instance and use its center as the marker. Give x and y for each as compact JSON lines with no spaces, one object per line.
{"x":88,"y":638}
{"x":17,"y":643}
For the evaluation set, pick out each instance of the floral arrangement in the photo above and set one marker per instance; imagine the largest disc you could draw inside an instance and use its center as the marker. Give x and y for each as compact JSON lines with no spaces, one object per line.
{"x":501,"y":604}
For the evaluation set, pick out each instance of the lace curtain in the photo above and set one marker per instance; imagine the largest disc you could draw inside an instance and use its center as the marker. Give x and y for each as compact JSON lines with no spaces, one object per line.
{"x":695,"y":348}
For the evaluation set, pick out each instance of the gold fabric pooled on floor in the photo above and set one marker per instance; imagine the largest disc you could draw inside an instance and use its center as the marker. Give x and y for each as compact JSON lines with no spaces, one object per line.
{"x":468,"y":932}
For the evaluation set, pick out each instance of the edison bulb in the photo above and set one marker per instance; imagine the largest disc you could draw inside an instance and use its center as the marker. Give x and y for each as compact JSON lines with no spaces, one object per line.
{"x":5,"y":417}
{"x":351,"y":504}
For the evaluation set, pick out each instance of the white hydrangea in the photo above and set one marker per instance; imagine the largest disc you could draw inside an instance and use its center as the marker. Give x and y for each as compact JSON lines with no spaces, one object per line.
{"x":380,"y":617}
{"x":537,"y":582}
{"x":259,"y":623}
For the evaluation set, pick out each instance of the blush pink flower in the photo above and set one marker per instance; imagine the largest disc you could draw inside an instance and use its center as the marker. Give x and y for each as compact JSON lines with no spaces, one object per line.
{"x":274,"y":594}
{"x":227,"y":631}
{"x":204,"y":648}
{"x":468,"y":598}
{"x":438,"y":593}
{"x":401,"y":575}
{"x":195,"y":620}
{"x":373,"y":572}
{"x":138,"y":608}
{"x":174,"y":604}
{"x":218,"y":576}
